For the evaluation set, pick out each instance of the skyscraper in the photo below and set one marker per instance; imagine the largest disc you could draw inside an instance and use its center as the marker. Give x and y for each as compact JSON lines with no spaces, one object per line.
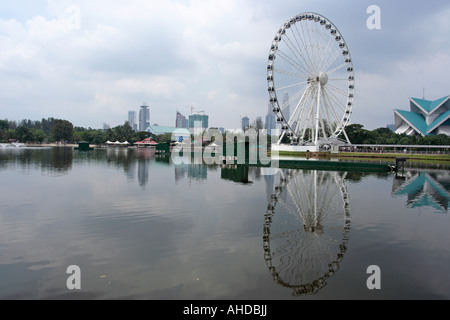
{"x":270,"y":120}
{"x":144,"y":118}
{"x":132,"y":120}
{"x":181,"y":121}
{"x":193,"y":118}
{"x":245,"y":123}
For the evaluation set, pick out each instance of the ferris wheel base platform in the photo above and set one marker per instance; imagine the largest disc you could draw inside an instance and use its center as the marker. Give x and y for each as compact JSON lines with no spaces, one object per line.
{"x":292,"y":148}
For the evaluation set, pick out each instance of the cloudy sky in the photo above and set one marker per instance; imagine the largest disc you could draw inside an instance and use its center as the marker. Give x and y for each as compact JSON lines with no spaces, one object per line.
{"x":91,"y":61}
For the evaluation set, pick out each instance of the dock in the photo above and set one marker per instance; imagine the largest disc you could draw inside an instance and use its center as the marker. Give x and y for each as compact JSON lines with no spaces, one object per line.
{"x":335,"y":165}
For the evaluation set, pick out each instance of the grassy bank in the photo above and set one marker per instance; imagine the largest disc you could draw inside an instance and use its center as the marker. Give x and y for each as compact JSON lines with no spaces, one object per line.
{"x":368,"y":155}
{"x":434,"y":157}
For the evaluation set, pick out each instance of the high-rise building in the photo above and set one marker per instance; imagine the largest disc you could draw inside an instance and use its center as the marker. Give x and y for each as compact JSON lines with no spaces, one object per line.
{"x":270,"y":120}
{"x":144,"y":118}
{"x":245,"y":121}
{"x":181,"y":121}
{"x":196,"y":117}
{"x":132,"y":120}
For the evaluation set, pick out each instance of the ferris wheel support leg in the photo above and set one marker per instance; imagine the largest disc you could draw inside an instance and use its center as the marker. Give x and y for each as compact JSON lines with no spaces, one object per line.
{"x":281,"y":137}
{"x":316,"y":139}
{"x":346,"y":136}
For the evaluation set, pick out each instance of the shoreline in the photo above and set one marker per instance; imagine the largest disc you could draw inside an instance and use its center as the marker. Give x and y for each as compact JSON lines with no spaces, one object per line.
{"x":342,"y":155}
{"x":373,"y":156}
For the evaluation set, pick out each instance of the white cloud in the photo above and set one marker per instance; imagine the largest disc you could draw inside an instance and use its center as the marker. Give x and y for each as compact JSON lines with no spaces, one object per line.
{"x":379,"y":93}
{"x":105,"y":58}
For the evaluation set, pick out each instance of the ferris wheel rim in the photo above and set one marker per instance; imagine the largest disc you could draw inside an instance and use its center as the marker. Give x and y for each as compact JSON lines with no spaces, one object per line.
{"x":322,"y":77}
{"x":315,"y":284}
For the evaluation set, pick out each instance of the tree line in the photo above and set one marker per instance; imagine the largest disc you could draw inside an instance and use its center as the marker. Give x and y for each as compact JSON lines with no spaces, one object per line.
{"x":358,"y":135}
{"x":52,"y":130}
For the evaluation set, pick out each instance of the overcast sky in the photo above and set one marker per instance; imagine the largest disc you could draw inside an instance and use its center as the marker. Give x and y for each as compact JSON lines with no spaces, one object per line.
{"x":91,"y":61}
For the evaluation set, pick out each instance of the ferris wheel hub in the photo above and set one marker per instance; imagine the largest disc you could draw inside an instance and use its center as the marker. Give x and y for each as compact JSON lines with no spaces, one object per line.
{"x":323,"y":78}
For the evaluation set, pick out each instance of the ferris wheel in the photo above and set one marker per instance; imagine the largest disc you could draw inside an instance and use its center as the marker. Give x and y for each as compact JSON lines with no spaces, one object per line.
{"x":310,"y":81}
{"x":306,"y":229}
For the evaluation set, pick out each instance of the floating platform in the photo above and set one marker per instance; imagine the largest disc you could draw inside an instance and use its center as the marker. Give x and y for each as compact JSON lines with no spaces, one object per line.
{"x":311,"y":164}
{"x":335,"y":165}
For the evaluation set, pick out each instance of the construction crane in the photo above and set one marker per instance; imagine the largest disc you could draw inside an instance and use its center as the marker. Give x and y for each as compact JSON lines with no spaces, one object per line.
{"x":192,"y":110}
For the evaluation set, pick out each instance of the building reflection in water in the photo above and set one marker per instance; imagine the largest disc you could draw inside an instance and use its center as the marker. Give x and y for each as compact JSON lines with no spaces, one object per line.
{"x":236,"y":173}
{"x":191,"y":171}
{"x":306,"y":229}
{"x":135,"y":162}
{"x":423,"y":189}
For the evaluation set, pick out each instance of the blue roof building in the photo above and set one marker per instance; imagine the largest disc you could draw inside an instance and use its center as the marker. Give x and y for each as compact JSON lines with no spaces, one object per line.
{"x":425,"y":117}
{"x":178,"y":134}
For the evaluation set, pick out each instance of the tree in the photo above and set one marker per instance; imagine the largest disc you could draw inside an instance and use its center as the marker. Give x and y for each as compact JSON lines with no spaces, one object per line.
{"x":38,"y":135}
{"x":166,"y":137}
{"x":98,"y":136}
{"x":62,"y":130}
{"x":356,"y":134}
{"x":121,"y":132}
{"x":23,"y":134}
{"x":404,"y":140}
{"x":140,"y":135}
{"x":4,"y":125}
{"x":47,"y":125}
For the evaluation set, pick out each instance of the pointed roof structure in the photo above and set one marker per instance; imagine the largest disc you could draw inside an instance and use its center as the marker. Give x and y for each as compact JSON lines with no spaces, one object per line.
{"x":426,"y":117}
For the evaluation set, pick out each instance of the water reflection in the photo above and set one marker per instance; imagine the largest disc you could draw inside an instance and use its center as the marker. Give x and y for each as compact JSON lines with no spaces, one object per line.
{"x":423,"y":189}
{"x":236,"y":173}
{"x":57,"y":162}
{"x":205,"y":240}
{"x":137,"y":163}
{"x":306,"y":228}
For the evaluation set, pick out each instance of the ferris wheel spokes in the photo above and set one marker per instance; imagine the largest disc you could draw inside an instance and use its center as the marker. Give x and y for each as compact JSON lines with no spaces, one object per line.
{"x":314,"y":70}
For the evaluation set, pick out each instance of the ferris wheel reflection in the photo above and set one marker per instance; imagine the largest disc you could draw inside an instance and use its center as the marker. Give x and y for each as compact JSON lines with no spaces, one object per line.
{"x":306,"y":229}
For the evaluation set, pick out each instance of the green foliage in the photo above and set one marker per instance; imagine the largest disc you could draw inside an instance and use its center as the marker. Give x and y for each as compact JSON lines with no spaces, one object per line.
{"x":162,"y":138}
{"x":51,"y":129}
{"x":62,"y":130}
{"x":121,"y":133}
{"x":358,"y":135}
{"x":23,"y":133}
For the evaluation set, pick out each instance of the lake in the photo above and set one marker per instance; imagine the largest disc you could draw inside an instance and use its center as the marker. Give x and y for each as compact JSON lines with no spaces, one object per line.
{"x":140,"y":227}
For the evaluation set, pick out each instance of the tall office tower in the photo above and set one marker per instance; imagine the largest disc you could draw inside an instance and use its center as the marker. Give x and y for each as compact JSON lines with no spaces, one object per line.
{"x":197,"y":117}
{"x":132,"y":120}
{"x":144,"y":118}
{"x":245,"y":121}
{"x":270,"y":120}
{"x":181,"y":121}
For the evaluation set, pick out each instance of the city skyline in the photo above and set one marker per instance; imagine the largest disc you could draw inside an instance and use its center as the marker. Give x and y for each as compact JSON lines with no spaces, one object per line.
{"x":88,"y":62}
{"x":144,"y":124}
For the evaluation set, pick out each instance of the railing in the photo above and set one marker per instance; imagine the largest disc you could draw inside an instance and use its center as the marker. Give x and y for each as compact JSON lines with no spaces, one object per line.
{"x":401,"y":149}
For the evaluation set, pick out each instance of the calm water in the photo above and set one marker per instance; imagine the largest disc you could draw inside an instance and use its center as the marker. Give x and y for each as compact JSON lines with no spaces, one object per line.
{"x":140,"y":227}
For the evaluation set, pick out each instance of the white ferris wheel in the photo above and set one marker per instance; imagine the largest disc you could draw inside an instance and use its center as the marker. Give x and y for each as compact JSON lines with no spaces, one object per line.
{"x":310,"y":82}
